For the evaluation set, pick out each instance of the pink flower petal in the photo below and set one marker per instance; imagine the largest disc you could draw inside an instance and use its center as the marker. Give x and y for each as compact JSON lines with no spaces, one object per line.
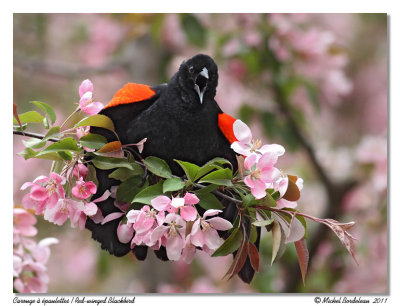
{"x":198,"y":238}
{"x":220,"y":224}
{"x":174,"y":248}
{"x":104,"y":197}
{"x":111,"y":217}
{"x":242,"y":132}
{"x":248,"y":181}
{"x":90,"y":209}
{"x":267,"y":160}
{"x":250,"y":161}
{"x":91,"y":187}
{"x":39,"y":193}
{"x":85,"y":86}
{"x":57,"y":178}
{"x":124,"y":233}
{"x":80,"y":170}
{"x":188,"y":213}
{"x":191,"y":198}
{"x":240,"y":148}
{"x":87,"y":96}
{"x":177,"y":202}
{"x":212,"y":239}
{"x":211,"y":212}
{"x":195,"y":227}
{"x":92,"y":108}
{"x":276,"y":149}
{"x":258,"y":191}
{"x":160,"y":203}
{"x":157,"y":233}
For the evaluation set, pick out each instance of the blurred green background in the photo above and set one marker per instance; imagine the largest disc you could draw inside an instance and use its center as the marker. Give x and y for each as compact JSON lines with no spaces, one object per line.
{"x":315,"y":83}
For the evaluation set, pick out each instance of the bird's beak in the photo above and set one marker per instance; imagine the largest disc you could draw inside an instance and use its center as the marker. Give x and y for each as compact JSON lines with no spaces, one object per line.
{"x":200,"y":91}
{"x":204,"y":73}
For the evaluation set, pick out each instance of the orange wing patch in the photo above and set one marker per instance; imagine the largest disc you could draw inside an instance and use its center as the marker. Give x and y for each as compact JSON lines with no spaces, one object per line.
{"x":225,"y":123}
{"x":131,"y":93}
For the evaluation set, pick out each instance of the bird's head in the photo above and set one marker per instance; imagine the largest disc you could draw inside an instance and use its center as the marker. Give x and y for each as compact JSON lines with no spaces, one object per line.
{"x":198,"y":77}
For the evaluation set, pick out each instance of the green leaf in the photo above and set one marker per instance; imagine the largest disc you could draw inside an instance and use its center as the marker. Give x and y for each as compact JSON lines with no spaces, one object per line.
{"x":106,"y":163}
{"x":173,"y":184}
{"x":29,"y":117}
{"x":209,"y":201}
{"x":93,"y":141}
{"x":34,"y":143}
{"x":249,"y":200}
{"x":123,"y":174}
{"x":219,"y":177}
{"x":46,"y":123}
{"x":66,"y":144}
{"x":18,"y":128}
{"x":47,"y":109}
{"x":97,"y":120}
{"x":146,"y":195}
{"x":268,"y":200}
{"x":54,"y":132}
{"x":231,"y":244}
{"x":189,"y":169}
{"x":27,"y":153}
{"x":65,"y":155}
{"x":194,"y":30}
{"x":129,"y":189}
{"x":253,"y":234}
{"x":158,"y":166}
{"x":263,"y":222}
{"x":215,"y":163}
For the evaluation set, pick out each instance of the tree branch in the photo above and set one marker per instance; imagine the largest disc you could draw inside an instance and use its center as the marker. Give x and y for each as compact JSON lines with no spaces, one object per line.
{"x":34,"y":135}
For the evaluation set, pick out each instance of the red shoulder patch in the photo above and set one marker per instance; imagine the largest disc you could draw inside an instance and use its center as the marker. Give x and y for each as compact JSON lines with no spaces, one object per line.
{"x":131,"y":93}
{"x":225,"y":123}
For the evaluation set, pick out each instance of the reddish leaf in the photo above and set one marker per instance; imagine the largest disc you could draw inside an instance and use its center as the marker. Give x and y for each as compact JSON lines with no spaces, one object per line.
{"x":241,"y":169}
{"x":292,"y":192}
{"x":254,"y":256}
{"x":15,"y":113}
{"x":111,"y":147}
{"x":239,"y":259}
{"x":340,"y":229}
{"x":302,"y":255}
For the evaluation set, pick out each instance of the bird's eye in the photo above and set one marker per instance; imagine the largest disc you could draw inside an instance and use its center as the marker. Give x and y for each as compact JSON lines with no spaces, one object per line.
{"x":191,"y":69}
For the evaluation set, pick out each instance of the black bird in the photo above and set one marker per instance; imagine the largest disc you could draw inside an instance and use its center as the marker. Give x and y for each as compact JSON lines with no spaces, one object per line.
{"x":181,"y":120}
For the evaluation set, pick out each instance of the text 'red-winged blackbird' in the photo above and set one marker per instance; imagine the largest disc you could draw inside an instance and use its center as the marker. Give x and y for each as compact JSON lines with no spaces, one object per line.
{"x":181,"y":120}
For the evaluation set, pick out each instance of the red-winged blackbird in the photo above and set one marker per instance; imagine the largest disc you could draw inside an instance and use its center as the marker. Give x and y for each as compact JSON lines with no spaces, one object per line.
{"x":181,"y":120}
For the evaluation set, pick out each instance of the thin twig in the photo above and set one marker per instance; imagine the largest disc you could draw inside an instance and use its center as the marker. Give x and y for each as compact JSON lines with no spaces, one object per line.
{"x":34,"y":135}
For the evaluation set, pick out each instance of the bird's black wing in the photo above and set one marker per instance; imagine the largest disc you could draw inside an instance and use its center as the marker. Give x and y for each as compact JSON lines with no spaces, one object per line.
{"x":125,"y":106}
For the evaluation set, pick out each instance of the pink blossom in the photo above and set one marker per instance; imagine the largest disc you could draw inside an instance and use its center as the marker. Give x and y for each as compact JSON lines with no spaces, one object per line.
{"x":174,"y":233}
{"x":281,"y":185}
{"x":82,"y":131}
{"x":261,"y":174}
{"x":204,"y":231}
{"x":59,"y":213}
{"x":124,"y":232}
{"x":80,"y":170}
{"x":86,"y":86}
{"x":183,"y":205}
{"x":24,"y":222}
{"x":45,"y":191}
{"x":82,"y":190}
{"x":86,"y":103}
{"x":246,"y":145}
